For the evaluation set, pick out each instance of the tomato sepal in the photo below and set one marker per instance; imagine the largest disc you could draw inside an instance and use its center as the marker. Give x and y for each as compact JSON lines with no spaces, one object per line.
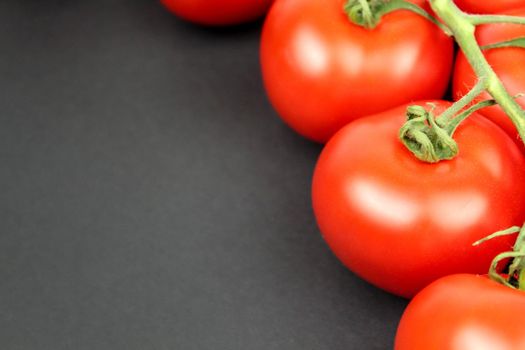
{"x":515,"y":278}
{"x":430,"y":139}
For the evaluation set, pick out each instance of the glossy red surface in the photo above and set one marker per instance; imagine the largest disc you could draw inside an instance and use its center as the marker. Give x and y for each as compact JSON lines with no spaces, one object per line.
{"x":464,"y":312}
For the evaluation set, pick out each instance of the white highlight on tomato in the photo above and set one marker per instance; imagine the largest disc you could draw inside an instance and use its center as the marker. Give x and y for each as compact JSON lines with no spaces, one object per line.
{"x":406,"y":61}
{"x":373,"y":199}
{"x":457,"y":210}
{"x":478,"y":338}
{"x":309,"y":52}
{"x":351,"y":53}
{"x":376,"y":200}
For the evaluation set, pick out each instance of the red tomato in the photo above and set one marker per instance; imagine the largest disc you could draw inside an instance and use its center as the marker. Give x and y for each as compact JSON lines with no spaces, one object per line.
{"x":400,"y":223}
{"x":321,"y":71}
{"x":218,"y":12}
{"x":508,"y":63}
{"x":488,"y":6}
{"x":464,"y":312}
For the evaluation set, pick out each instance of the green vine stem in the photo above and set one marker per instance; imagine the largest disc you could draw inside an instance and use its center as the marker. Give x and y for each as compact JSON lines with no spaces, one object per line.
{"x":515,"y":278}
{"x":485,"y":19}
{"x":462,"y":27}
{"x":521,"y":280}
{"x":451,"y":112}
{"x":431,"y":145}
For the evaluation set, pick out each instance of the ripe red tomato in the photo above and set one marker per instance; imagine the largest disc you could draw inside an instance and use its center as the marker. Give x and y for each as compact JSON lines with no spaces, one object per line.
{"x":321,"y":71}
{"x":400,"y":223}
{"x":480,"y":6}
{"x":464,"y":312}
{"x":506,"y":62}
{"x":218,"y":12}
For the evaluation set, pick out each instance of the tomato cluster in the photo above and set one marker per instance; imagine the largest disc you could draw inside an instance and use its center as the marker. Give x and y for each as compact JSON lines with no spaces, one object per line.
{"x":398,"y":222}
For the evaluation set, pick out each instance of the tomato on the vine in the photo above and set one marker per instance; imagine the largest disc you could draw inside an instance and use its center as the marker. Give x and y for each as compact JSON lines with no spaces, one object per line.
{"x":401,"y":223}
{"x":321,"y":71}
{"x":464,"y":312}
{"x":485,"y":6}
{"x":508,"y":63}
{"x":218,"y":12}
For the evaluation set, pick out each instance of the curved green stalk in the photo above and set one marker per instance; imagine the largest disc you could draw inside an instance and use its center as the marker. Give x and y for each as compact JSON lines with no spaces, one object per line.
{"x":459,"y":118}
{"x":463,"y":29}
{"x":447,"y":115}
{"x":485,"y":19}
{"x":515,"y":278}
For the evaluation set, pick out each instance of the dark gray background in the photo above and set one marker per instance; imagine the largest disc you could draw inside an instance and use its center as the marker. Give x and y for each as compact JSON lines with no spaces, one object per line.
{"x":152,"y":199}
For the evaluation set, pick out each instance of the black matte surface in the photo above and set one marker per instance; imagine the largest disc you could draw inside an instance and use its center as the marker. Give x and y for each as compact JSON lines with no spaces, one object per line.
{"x":151,"y":198}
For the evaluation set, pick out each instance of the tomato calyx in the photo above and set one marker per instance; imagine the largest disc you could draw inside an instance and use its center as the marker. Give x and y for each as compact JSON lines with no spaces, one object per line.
{"x":368,"y":13}
{"x":364,"y":12}
{"x":430,"y":139}
{"x":425,"y":137}
{"x":515,"y":278}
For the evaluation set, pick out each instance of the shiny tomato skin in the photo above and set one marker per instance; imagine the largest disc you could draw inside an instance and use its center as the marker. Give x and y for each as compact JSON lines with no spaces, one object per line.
{"x":508,"y":63}
{"x":486,"y":7}
{"x":321,"y":71}
{"x":464,"y":312}
{"x":218,"y":12}
{"x":400,"y":223}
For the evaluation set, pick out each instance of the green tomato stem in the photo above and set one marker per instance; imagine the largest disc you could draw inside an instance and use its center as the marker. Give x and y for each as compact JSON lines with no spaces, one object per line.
{"x":517,"y":267}
{"x":463,"y":27}
{"x":493,"y":271}
{"x":486,"y":19}
{"x":456,"y":121}
{"x":516,"y":274}
{"x":367,"y":14}
{"x":449,"y":114}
